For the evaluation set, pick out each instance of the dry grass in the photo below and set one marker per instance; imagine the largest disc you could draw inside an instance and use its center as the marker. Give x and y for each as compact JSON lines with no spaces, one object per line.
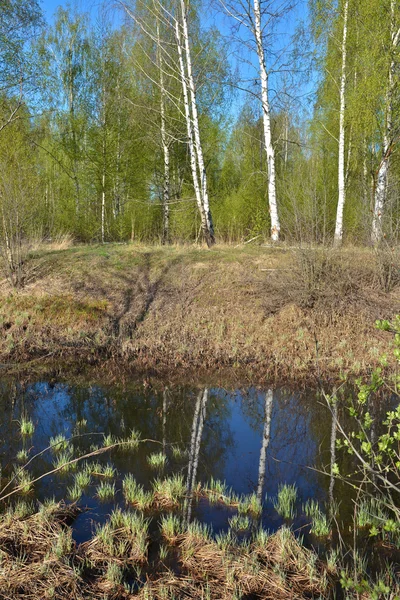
{"x":40,"y":560}
{"x":282,"y":569}
{"x":37,"y":556}
{"x":257,"y":311}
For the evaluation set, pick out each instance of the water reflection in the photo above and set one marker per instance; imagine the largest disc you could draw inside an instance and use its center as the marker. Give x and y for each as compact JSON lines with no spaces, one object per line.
{"x":253,"y":439}
{"x":195,"y":441}
{"x":269,"y":398}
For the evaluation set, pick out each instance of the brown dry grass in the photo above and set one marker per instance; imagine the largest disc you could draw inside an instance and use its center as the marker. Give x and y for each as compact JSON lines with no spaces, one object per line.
{"x":281,"y":569}
{"x":261,"y":312}
{"x":40,"y":560}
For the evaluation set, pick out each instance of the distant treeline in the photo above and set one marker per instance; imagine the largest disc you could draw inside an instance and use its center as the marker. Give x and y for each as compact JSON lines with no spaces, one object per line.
{"x":144,"y":122}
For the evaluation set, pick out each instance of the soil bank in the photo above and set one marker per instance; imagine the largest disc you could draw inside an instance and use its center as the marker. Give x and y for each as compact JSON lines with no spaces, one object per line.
{"x":266,"y":313}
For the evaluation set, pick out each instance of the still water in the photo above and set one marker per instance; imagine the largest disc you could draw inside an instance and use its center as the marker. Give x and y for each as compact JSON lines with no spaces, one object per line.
{"x":253,"y":439}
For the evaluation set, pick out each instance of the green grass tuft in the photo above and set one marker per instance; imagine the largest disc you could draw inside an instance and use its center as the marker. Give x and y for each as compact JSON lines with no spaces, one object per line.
{"x":320,"y":524}
{"x":171,"y":527}
{"x":106,"y":491}
{"x":62,"y":459}
{"x":157,"y":461}
{"x":169,"y":491}
{"x":286,"y":500}
{"x":59,"y":444}
{"x":250,"y":504}
{"x":239,"y":522}
{"x":74,"y":492}
{"x":22,"y":456}
{"x":134,"y":494}
{"x":27,"y":427}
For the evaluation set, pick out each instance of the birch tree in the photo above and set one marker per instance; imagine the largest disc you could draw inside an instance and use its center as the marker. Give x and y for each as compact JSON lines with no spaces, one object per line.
{"x":193,"y":120}
{"x":390,"y":133}
{"x":164,"y":141}
{"x":176,"y":64}
{"x":341,"y":163}
{"x":20,"y":20}
{"x":255,"y":23}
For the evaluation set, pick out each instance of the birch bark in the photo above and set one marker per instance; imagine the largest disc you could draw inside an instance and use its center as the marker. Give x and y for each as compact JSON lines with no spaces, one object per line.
{"x":192,"y":151}
{"x":164,"y":142}
{"x":269,"y":148}
{"x":383,"y":170}
{"x":341,"y":169}
{"x":210,"y":237}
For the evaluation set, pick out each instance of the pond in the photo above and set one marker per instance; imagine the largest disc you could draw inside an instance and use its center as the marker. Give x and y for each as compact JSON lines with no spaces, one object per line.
{"x":228,"y":447}
{"x":254,"y":440}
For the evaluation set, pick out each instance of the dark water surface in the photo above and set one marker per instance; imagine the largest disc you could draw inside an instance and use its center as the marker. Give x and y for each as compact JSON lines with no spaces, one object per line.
{"x":253,"y":439}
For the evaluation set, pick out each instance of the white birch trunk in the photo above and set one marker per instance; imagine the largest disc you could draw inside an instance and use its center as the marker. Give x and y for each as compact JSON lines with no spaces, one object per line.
{"x":269,"y":398}
{"x":273,"y":207}
{"x":192,"y":154}
{"x":341,"y":169}
{"x":164,"y":142}
{"x":210,"y":238}
{"x":383,"y":171}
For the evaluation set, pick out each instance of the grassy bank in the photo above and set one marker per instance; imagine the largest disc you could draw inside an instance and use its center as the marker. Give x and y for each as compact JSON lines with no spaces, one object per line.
{"x":261,"y":312}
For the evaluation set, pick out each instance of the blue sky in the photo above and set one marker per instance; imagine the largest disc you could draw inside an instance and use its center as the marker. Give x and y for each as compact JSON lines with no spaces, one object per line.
{"x":285,"y":29}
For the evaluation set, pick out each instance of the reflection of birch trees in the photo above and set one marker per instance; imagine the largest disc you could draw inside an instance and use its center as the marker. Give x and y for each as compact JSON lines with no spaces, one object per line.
{"x":269,"y":398}
{"x":333,"y":449}
{"x":164,"y":420}
{"x":195,"y":441}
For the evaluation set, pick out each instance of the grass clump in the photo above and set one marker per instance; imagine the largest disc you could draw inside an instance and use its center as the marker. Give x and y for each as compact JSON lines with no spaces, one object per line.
{"x":320,"y":524}
{"x":109,"y":441}
{"x":27,"y":427}
{"x":371,"y":513}
{"x":62,"y":461}
{"x":105,"y":491}
{"x":109,"y":472}
{"x":74,"y":492}
{"x":134,"y":494}
{"x":132,"y":442}
{"x":22,"y":456}
{"x":114,"y":574}
{"x":123,"y":538}
{"x":217,"y":491}
{"x":250,"y":504}
{"x":59,"y":444}
{"x":62,"y":544}
{"x":198,"y":532}
{"x":83,"y":478}
{"x":171,"y":527}
{"x":286,"y":500}
{"x":239,"y":522}
{"x":23,"y":481}
{"x":225,"y":540}
{"x":170,"y":491}
{"x":157,"y":461}
{"x":21,"y":509}
{"x":179,"y":453}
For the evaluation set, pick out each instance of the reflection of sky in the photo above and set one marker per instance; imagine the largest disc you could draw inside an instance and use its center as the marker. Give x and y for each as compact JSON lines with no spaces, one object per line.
{"x":230,"y":445}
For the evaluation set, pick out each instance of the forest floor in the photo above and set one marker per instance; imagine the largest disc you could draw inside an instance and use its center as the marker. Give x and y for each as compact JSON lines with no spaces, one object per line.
{"x":256,"y":313}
